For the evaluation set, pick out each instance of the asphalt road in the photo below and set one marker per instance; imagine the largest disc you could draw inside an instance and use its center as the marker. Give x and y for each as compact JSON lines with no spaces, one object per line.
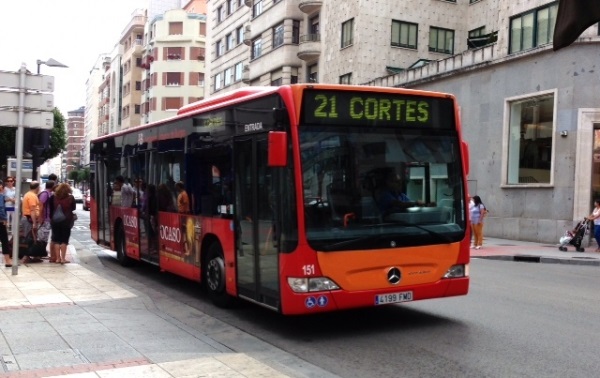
{"x":519,"y":320}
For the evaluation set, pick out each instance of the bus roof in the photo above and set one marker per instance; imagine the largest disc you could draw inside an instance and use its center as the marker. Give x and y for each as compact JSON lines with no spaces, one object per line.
{"x":249,"y":93}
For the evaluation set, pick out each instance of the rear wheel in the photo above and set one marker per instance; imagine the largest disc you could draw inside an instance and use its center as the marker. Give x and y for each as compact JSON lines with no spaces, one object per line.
{"x":564,"y":249}
{"x":120,"y":243}
{"x":214,"y":276}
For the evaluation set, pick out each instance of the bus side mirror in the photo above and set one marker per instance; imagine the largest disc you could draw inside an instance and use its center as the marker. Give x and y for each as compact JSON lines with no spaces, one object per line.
{"x":465,"y":152}
{"x":277,"y":149}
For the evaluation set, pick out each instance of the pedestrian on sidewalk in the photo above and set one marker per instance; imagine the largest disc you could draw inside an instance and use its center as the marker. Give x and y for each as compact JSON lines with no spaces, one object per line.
{"x":595,"y":216}
{"x":9,"y":199}
{"x":31,"y":219}
{"x":478,"y":213}
{"x":44,"y":231}
{"x":61,"y":228}
{"x":6,"y":250}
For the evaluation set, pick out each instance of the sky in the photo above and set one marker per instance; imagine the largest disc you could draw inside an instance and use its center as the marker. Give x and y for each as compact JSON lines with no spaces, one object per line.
{"x":73,"y":32}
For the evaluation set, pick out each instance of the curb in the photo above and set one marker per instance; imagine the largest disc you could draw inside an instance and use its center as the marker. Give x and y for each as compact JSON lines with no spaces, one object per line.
{"x":542,"y":259}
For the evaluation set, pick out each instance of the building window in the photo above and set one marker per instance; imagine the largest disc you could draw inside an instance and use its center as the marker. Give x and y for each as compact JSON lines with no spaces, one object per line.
{"x":228,"y":76}
{"x":347,"y":33}
{"x":218,"y":81}
{"x":174,"y":53}
{"x":173,"y":78}
{"x":277,"y":82}
{"x":239,"y":32}
{"x":221,"y":13}
{"x":530,"y":133}
{"x":441,"y":40}
{"x":404,"y":34}
{"x":220,"y":48}
{"x":257,"y":8}
{"x":138,"y":85}
{"x":314,"y":25}
{"x":137,"y":109}
{"x":532,"y":29}
{"x":256,"y":48}
{"x":278,"y":35}
{"x":296,"y":32}
{"x":313,"y":74}
{"x":239,"y":68}
{"x":346,"y":79}
{"x":230,"y":41}
{"x":175,"y":28}
{"x":173,"y":103}
{"x":478,"y":38}
{"x":231,"y":6}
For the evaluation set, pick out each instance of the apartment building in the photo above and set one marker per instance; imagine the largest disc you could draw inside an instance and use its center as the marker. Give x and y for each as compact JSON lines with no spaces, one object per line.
{"x":132,"y":40}
{"x":530,"y":114}
{"x":92,"y":103}
{"x":75,"y":130}
{"x":174,"y":63}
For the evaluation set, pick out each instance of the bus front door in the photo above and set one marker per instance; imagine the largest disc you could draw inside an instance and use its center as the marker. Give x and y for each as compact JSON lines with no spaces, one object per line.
{"x":256,"y":244}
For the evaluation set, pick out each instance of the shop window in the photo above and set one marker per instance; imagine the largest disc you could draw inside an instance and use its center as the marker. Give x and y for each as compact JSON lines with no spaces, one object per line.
{"x":530,"y":140}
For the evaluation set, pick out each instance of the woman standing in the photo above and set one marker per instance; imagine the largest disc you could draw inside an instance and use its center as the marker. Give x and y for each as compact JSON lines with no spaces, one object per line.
{"x":9,"y":200}
{"x":3,"y":233}
{"x":61,"y":229}
{"x":478,"y":212}
{"x":595,"y":216}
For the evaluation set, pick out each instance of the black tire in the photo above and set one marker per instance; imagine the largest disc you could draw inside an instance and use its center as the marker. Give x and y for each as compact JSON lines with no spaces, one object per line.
{"x":564,"y":249}
{"x":581,"y":249}
{"x":214,"y":277}
{"x":122,"y":257}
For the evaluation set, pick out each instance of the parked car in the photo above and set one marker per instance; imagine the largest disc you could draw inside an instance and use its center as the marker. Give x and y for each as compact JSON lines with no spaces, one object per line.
{"x":86,"y":200}
{"x":78,"y":195}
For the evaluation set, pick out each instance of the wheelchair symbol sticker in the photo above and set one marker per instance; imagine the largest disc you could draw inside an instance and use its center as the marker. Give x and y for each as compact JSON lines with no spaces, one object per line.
{"x":310,"y":302}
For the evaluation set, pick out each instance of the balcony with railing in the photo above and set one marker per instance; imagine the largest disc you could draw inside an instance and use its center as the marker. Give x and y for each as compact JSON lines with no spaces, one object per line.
{"x":247,"y":35}
{"x":310,"y":47}
{"x":309,"y":6}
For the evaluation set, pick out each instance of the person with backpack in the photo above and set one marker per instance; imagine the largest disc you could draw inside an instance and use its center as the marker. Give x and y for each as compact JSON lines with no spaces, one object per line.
{"x":44,"y":230}
{"x":62,"y":206}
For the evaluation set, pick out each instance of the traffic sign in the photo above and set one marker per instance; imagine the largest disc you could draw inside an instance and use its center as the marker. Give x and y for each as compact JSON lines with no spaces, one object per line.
{"x":35,"y":120}
{"x":42,"y":83}
{"x":33,"y":101}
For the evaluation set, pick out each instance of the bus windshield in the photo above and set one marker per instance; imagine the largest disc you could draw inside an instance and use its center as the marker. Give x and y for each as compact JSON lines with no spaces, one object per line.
{"x":381,"y":187}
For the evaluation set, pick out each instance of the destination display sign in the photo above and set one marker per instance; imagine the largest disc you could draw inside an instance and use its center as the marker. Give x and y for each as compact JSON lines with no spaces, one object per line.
{"x":333,"y":107}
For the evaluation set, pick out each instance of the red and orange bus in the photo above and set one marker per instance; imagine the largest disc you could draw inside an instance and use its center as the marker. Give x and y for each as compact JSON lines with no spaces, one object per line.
{"x":286,"y":188}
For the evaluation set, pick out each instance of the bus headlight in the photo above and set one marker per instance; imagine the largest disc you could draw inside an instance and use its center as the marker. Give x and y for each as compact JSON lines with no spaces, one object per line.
{"x":457,"y":271}
{"x":306,"y":285}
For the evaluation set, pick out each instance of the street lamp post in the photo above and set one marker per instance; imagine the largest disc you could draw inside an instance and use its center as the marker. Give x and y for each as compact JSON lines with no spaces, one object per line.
{"x":42,"y":136}
{"x":50,"y":63}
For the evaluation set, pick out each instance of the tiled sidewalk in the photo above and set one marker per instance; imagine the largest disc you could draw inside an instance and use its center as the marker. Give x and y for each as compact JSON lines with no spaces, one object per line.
{"x":65,"y":320}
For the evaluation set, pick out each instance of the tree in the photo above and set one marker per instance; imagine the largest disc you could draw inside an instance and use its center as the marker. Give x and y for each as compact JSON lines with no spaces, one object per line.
{"x":74,"y":175}
{"x":58,"y":137}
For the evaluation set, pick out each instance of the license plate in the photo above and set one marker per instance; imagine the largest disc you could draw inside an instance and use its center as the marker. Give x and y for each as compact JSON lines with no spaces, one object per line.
{"x":403,"y":296}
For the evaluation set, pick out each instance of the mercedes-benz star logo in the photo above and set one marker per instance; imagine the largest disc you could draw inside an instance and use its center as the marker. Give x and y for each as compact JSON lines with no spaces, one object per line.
{"x":394,"y":275}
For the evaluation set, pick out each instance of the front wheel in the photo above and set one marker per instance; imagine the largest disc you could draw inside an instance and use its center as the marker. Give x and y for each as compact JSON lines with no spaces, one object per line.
{"x":214,"y":275}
